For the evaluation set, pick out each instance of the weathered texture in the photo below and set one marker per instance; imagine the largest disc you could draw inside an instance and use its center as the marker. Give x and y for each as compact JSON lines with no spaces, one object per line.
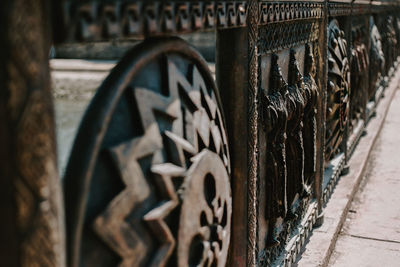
{"x":108,"y":20}
{"x":252,"y":22}
{"x":338,"y":90}
{"x":285,"y":192}
{"x":148,"y":182}
{"x":389,"y":41}
{"x":377,"y":58}
{"x":32,"y":232}
{"x":274,"y":114}
{"x":311,"y":95}
{"x":294,"y":145}
{"x":359,"y":64}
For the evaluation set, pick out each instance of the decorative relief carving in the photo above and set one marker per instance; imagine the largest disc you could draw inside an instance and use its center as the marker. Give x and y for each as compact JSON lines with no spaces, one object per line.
{"x":294,"y":145}
{"x":279,"y":11}
{"x":338,"y":89}
{"x":275,"y":121}
{"x":253,"y":142}
{"x":296,"y":33}
{"x":155,"y":189}
{"x":204,"y":241}
{"x":359,"y":63}
{"x":100,"y":21}
{"x":389,"y":42}
{"x":165,"y":139}
{"x":284,"y":106}
{"x":310,"y":119}
{"x":377,"y":58}
{"x":289,"y":122}
{"x":339,"y":9}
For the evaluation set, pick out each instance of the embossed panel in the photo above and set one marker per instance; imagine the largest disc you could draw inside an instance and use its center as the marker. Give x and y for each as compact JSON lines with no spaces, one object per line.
{"x":148,"y":180}
{"x":288,"y":145}
{"x":359,"y":65}
{"x":338,"y":89}
{"x":377,"y":58}
{"x":389,"y":40}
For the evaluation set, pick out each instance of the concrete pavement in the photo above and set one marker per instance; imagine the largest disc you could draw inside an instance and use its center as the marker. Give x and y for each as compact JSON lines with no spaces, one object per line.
{"x":371,"y":232}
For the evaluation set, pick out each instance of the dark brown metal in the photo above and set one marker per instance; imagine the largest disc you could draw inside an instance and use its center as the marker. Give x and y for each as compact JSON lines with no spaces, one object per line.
{"x":377,"y":59}
{"x":310,"y":126}
{"x":148,"y":179}
{"x":275,"y":121}
{"x":232,"y":77}
{"x":31,"y":208}
{"x":280,"y":187}
{"x":300,"y":32}
{"x":105,"y":20}
{"x":294,"y":145}
{"x":253,"y":117}
{"x":338,"y":90}
{"x":389,"y":41}
{"x":320,"y":53}
{"x":359,"y":64}
{"x":148,"y":182}
{"x":274,"y":114}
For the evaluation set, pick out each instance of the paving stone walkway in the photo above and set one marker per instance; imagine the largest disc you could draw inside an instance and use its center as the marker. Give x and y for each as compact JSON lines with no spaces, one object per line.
{"x":371,"y":234}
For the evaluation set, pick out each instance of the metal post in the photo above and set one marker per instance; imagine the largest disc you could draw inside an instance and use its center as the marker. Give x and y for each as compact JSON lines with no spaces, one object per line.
{"x":32,"y":230}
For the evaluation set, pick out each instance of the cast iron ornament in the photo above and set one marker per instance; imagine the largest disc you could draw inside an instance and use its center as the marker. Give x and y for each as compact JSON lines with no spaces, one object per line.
{"x":148,"y":180}
{"x":338,"y":89}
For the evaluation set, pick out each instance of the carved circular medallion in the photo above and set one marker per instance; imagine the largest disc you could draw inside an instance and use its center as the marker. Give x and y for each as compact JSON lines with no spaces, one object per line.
{"x":148,"y":178}
{"x":204,"y":241}
{"x":339,"y":70}
{"x":338,"y":87}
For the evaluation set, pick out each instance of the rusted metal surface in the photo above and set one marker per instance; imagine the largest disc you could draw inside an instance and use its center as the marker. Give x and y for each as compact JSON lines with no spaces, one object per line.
{"x":275,"y":116}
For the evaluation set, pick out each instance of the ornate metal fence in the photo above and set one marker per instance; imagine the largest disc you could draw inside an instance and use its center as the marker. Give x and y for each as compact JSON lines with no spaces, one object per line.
{"x":171,"y":167}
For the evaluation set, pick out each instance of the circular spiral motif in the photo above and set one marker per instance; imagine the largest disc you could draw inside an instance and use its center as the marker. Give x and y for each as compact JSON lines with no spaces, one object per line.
{"x":148,"y":179}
